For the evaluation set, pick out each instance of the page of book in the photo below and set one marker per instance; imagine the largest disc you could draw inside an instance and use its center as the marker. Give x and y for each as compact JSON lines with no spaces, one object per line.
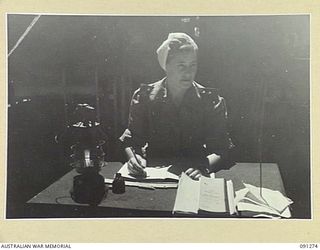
{"x":187,"y":198}
{"x":212,"y":195}
{"x":230,"y":194}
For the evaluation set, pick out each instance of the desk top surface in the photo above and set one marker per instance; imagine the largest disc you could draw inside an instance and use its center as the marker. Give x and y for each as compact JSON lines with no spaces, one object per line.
{"x":158,"y":199}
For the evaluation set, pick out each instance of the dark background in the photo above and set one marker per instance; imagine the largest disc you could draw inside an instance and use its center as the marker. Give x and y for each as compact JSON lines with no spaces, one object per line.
{"x":260,"y":64}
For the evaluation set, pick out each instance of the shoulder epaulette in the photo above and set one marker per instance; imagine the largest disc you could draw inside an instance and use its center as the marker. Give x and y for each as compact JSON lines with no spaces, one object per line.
{"x":144,"y":92}
{"x":145,"y":89}
{"x":210,"y":94}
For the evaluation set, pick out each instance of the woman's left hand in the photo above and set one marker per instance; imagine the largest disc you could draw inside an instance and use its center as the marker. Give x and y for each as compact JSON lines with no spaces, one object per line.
{"x":193,"y":173}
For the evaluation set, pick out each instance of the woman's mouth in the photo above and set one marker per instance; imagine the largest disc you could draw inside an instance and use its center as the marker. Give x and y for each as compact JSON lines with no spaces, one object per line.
{"x":186,"y":81}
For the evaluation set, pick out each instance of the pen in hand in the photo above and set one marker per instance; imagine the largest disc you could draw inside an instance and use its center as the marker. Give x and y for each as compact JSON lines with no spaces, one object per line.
{"x":134,"y":154}
{"x":138,"y":167}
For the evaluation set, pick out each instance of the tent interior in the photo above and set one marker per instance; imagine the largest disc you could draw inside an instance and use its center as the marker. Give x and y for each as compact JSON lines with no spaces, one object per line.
{"x":259,"y":64}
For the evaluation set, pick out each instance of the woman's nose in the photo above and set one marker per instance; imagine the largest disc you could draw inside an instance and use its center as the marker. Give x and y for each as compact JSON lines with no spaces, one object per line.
{"x":188,"y":70}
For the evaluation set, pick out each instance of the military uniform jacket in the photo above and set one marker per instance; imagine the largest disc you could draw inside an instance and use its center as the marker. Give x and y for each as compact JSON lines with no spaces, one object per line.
{"x":188,"y":133}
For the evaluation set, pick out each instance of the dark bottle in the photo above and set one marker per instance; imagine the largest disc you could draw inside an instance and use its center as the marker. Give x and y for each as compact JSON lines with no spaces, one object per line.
{"x":118,"y":184}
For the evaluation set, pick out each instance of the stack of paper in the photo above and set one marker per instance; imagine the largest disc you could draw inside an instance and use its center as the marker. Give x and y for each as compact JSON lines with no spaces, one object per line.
{"x":271,"y":204}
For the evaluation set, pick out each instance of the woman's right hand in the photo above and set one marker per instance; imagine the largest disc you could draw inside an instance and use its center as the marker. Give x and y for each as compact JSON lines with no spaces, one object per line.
{"x":136,"y":168}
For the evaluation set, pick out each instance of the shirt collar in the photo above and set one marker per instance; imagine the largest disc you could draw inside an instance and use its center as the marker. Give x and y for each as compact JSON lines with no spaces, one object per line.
{"x":163,"y":91}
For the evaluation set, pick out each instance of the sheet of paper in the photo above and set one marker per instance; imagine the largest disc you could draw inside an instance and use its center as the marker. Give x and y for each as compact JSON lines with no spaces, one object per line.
{"x":212,"y":195}
{"x":187,"y":198}
{"x":254,"y":202}
{"x":159,"y":173}
{"x":246,"y":206}
{"x":240,"y":194}
{"x":286,"y":213}
{"x":266,"y":216}
{"x":276,"y":205}
{"x":273,"y":198}
{"x":263,"y":211}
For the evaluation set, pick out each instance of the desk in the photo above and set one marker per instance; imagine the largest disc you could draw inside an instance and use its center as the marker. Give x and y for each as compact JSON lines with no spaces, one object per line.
{"x":55,"y":201}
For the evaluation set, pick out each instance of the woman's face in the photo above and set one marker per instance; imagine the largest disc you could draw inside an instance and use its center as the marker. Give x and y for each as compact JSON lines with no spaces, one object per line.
{"x":181,"y":69}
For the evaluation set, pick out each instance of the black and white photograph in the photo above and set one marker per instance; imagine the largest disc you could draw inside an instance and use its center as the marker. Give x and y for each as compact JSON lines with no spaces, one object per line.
{"x":158,"y":116}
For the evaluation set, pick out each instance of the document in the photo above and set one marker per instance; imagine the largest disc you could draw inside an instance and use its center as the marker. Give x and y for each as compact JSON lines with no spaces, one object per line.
{"x":204,"y":195}
{"x":153,"y":173}
{"x":273,"y":198}
{"x":272,"y":204}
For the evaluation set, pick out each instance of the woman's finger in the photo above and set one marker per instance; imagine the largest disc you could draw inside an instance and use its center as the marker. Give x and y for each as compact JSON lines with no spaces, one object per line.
{"x":142,"y":161}
{"x":135,"y":164}
{"x":131,"y":168}
{"x":194,"y":174}
{"x":134,"y":172}
{"x":189,"y":171}
{"x":197,"y":177}
{"x":135,"y":169}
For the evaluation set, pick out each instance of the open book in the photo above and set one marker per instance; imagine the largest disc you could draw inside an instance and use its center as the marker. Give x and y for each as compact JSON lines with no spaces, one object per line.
{"x":208,"y":195}
{"x":153,"y":174}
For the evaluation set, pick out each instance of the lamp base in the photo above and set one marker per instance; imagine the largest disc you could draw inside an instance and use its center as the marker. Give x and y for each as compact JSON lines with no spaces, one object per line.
{"x":89,"y":188}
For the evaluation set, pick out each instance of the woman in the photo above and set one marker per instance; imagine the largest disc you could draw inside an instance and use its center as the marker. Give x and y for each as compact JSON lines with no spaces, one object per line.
{"x":177,"y":120}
